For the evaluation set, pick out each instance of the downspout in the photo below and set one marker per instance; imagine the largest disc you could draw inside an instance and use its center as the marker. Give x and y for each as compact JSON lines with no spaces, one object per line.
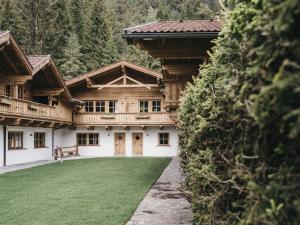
{"x":4,"y":145}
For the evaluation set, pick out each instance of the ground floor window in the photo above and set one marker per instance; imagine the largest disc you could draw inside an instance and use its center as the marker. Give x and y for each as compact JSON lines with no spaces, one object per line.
{"x":85,"y":139}
{"x":39,"y":140}
{"x":15,"y":140}
{"x":163,"y":138}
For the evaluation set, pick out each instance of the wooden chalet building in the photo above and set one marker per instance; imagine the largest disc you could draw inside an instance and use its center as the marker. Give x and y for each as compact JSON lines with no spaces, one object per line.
{"x":124,"y":113}
{"x":118,"y":110}
{"x":181,"y":46}
{"x":34,"y":101}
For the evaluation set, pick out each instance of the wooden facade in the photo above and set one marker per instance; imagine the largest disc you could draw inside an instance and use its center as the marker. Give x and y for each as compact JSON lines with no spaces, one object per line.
{"x":121,"y":94}
{"x":32,"y":92}
{"x":181,"y":46}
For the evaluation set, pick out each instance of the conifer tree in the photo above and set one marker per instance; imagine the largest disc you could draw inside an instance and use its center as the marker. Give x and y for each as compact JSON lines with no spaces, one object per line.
{"x":8,"y":17}
{"x":76,"y":13}
{"x":59,"y":30}
{"x":71,"y":62}
{"x":98,"y":35}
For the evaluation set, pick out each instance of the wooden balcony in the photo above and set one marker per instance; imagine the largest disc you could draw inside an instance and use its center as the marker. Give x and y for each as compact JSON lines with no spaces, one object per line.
{"x":22,"y":112}
{"x":123,"y":119}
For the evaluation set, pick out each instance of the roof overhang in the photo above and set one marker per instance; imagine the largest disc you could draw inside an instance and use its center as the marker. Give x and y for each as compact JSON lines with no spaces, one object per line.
{"x":174,"y":35}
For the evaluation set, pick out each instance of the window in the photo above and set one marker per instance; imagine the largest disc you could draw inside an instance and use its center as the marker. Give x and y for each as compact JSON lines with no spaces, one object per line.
{"x":143,"y":106}
{"x":163,"y":138}
{"x":20,"y":91}
{"x":39,"y":140}
{"x":81,"y":139}
{"x":8,"y":90}
{"x":15,"y":140}
{"x":87,"y":139}
{"x":156,"y":106}
{"x":100,"y":106}
{"x":89,"y":106}
{"x":93,"y":139}
{"x":112,"y":106}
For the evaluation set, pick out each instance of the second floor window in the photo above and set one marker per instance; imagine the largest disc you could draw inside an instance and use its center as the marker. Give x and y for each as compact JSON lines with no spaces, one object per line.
{"x":89,"y":106}
{"x":156,"y":106}
{"x":100,"y":106}
{"x":143,"y":106}
{"x":112,"y":106}
{"x":20,"y":91}
{"x":8,"y":90}
{"x":15,"y":140}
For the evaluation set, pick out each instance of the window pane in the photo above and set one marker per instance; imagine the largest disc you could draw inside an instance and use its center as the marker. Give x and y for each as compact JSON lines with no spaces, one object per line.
{"x":39,"y":139}
{"x":156,"y":106}
{"x":20,"y":91}
{"x":143,"y":106}
{"x":8,"y":90}
{"x":93,"y":139}
{"x":89,"y":106}
{"x":15,"y":140}
{"x":112,"y":106}
{"x":164,"y":138}
{"x":81,"y":139}
{"x":100,"y":106}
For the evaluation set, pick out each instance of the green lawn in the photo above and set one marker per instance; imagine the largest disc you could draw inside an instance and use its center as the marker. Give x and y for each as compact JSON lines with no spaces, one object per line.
{"x":103,"y":191}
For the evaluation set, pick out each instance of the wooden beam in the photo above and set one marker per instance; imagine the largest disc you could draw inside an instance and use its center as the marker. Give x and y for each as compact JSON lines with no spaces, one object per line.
{"x":47,"y":91}
{"x":89,"y":82}
{"x":16,"y":121}
{"x":108,"y":128}
{"x":113,"y":81}
{"x":149,"y":86}
{"x":140,"y":83}
{"x":15,"y":78}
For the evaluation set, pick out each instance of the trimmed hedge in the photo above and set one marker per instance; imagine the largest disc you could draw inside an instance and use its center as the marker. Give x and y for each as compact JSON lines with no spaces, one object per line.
{"x":240,"y":120}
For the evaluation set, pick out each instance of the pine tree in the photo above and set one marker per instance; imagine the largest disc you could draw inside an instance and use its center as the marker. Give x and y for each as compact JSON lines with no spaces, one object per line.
{"x":76,"y":13}
{"x":59,"y":30}
{"x":99,"y":34}
{"x":8,"y":17}
{"x":71,"y":62}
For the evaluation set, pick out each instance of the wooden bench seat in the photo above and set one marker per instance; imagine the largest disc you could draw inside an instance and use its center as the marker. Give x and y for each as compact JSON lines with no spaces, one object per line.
{"x":61,"y":152}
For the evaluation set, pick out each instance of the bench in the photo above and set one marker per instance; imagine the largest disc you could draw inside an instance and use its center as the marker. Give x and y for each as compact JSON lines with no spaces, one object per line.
{"x":61,"y":152}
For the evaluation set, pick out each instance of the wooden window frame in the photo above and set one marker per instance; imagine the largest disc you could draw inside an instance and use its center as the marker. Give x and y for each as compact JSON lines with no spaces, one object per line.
{"x":101,"y":106}
{"x":159,"y":138}
{"x":39,"y":140}
{"x":88,"y":106}
{"x":12,"y":140}
{"x":21,"y":91}
{"x":114,"y":107}
{"x":91,"y":137}
{"x":144,"y":108}
{"x":156,"y":106}
{"x":87,"y":138}
{"x":6,"y":87}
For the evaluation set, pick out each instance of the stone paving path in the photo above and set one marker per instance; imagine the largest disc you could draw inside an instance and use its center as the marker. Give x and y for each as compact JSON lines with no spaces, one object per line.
{"x":16,"y":167}
{"x":165,"y":203}
{"x":22,"y":166}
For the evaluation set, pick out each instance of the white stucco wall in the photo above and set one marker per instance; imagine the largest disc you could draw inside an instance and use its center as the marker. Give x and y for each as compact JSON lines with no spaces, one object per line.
{"x":1,"y":146}
{"x":29,"y":153}
{"x":65,"y":137}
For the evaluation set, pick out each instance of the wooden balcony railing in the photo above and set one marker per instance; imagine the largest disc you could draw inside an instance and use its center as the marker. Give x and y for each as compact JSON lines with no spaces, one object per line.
{"x":123,"y":119}
{"x":20,"y":108}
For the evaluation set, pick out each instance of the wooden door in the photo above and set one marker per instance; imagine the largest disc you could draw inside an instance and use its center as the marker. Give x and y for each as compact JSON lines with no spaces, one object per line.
{"x":137,"y":143}
{"x":120,"y":144}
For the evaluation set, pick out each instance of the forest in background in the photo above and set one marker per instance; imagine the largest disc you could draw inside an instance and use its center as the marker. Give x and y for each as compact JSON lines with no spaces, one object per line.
{"x":82,"y":35}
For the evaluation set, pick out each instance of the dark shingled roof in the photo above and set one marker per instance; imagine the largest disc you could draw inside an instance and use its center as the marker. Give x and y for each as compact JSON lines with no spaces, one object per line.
{"x":177,"y":27}
{"x":35,"y":60}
